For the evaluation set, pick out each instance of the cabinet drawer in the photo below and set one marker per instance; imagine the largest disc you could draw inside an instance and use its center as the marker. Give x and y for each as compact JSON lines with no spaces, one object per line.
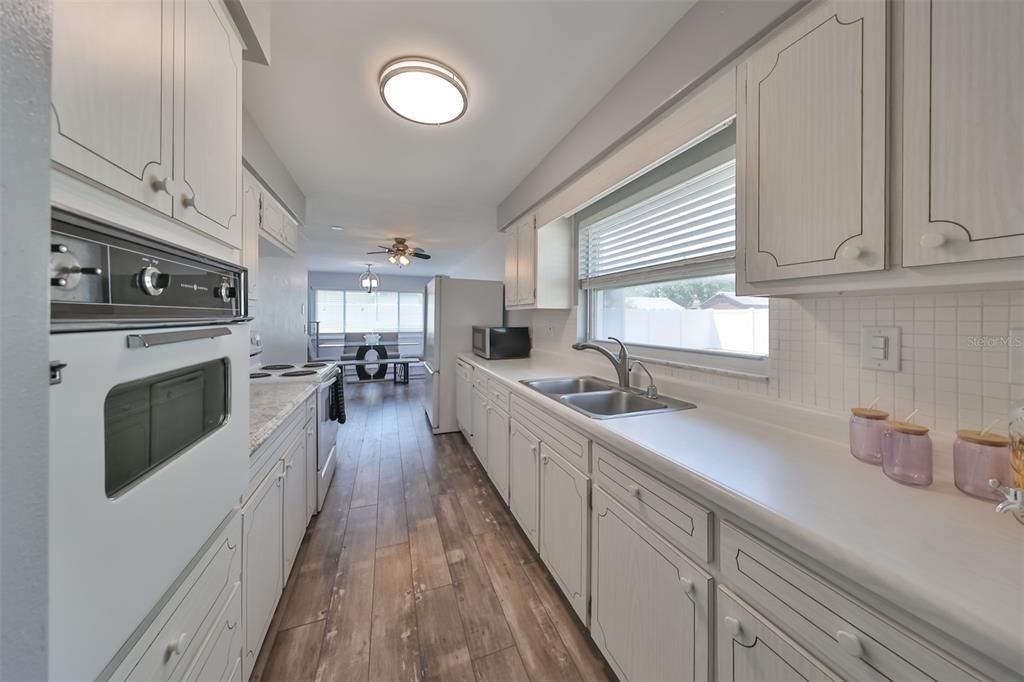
{"x":273,"y":448}
{"x":570,"y":444}
{"x":221,"y":655}
{"x":855,"y":640}
{"x":498,"y":394}
{"x":180,"y":630}
{"x":682,"y":522}
{"x":479,"y":380}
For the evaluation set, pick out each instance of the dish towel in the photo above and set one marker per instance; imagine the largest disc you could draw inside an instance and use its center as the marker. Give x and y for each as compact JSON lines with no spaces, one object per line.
{"x":337,"y":409}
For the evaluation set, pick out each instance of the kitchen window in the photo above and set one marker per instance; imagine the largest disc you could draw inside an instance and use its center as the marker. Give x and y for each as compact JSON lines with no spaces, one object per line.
{"x":358,"y":312}
{"x":657,"y":265}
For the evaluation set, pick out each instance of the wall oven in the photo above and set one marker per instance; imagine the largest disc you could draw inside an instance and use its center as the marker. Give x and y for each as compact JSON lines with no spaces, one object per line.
{"x":149,"y":427}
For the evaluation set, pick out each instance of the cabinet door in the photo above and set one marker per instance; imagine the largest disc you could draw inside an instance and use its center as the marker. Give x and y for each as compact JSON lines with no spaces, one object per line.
{"x":208,"y":128}
{"x":511,"y":265}
{"x":526,"y":263}
{"x":290,"y":233}
{"x":524,"y":480}
{"x":311,"y":468}
{"x":750,"y":649}
{"x":111,"y":102}
{"x":463,"y":398}
{"x":262,"y":536}
{"x":963,"y":152}
{"x":650,"y":611}
{"x":479,"y":437}
{"x":811,"y":123}
{"x":251,"y":231}
{"x":497,"y":449}
{"x":294,"y":501}
{"x":273,"y":218}
{"x":564,"y":521}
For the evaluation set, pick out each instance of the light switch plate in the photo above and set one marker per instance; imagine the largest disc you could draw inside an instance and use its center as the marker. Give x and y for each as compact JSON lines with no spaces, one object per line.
{"x":884,"y":339}
{"x":1017,"y":356}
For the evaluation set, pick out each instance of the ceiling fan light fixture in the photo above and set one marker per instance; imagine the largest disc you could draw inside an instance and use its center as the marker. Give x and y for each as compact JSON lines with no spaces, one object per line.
{"x":423,"y":91}
{"x":392,"y":259}
{"x":403,"y":260}
{"x":369,"y":281}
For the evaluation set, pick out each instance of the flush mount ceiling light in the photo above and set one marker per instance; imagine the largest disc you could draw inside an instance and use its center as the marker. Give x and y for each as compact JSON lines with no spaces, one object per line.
{"x":369,"y":281}
{"x":423,"y":91}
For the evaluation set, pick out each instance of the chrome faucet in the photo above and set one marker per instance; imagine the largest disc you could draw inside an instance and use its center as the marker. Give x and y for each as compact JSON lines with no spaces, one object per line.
{"x":620,"y":363}
{"x":652,"y":390}
{"x":1014,"y":502}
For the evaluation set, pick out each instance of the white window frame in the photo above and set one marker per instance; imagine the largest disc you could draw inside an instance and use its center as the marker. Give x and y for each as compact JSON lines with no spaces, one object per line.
{"x":745,"y":365}
{"x":344,"y":317}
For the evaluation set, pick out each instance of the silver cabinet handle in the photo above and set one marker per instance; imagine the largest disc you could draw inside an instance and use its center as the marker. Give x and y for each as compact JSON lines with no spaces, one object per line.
{"x":165,"y":338}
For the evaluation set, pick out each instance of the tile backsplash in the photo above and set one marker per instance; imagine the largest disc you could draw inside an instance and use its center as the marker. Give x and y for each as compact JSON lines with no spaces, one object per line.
{"x":955,"y":359}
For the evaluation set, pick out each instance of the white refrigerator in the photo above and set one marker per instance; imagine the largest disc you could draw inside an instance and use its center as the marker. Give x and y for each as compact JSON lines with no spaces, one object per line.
{"x":453,"y":307}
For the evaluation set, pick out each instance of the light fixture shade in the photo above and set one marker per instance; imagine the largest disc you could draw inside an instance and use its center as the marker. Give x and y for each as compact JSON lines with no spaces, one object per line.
{"x":369,"y":281}
{"x":423,"y":91}
{"x":403,"y":260}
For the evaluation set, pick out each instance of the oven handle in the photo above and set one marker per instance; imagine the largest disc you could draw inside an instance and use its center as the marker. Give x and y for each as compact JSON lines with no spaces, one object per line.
{"x":165,"y":338}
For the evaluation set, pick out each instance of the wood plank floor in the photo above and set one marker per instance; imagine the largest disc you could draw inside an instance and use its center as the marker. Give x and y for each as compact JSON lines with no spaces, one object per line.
{"x":415,"y":569}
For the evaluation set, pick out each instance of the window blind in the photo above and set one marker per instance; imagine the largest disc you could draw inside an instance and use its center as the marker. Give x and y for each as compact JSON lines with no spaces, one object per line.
{"x":691,"y":223}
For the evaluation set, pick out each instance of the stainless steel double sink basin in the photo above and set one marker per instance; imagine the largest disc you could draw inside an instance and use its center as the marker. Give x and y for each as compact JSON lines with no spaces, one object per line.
{"x":600,"y":399}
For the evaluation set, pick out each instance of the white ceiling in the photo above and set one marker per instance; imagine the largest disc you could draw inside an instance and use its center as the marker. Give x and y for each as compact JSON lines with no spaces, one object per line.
{"x":533,"y":69}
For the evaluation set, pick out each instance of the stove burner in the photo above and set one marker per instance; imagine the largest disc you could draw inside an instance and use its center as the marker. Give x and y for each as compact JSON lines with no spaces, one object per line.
{"x":277,"y":366}
{"x":258,"y":375}
{"x":315,"y":364}
{"x":298,"y":373}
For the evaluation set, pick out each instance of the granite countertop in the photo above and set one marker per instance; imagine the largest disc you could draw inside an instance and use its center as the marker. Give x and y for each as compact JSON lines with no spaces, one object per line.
{"x":271,"y":403}
{"x":934,"y":553}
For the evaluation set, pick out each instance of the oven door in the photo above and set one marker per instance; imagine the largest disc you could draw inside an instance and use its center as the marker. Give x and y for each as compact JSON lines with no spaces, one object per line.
{"x":149,"y":452}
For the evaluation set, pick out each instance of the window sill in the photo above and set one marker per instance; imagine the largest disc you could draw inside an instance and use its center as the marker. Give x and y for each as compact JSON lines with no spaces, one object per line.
{"x":721,"y":371}
{"x":722,"y":363}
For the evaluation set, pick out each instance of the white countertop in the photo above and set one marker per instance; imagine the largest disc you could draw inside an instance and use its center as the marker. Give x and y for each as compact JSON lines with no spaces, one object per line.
{"x":270,"y":404}
{"x":945,"y":558}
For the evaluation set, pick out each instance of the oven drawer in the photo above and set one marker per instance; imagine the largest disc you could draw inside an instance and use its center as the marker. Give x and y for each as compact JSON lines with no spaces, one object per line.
{"x":864,"y":645}
{"x":498,"y":394}
{"x":167,"y":647}
{"x":679,"y":520}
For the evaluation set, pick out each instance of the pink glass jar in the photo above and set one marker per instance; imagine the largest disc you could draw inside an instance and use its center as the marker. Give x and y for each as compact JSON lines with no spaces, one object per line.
{"x":907,"y":453}
{"x":866,"y":429}
{"x":978,"y":458}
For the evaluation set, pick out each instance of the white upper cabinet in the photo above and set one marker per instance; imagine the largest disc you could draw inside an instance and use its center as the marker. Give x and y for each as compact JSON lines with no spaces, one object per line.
{"x":208,"y":121}
{"x":147,"y":101}
{"x":112,"y":95}
{"x":538,"y":268}
{"x":811,"y":144}
{"x":526,"y":263}
{"x":963,"y":151}
{"x":251,"y":231}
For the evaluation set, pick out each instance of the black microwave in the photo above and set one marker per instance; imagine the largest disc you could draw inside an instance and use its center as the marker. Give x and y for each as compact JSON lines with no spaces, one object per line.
{"x":501,"y":343}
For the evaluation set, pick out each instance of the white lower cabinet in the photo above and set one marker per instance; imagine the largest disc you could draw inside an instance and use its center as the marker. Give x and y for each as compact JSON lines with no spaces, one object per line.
{"x":295,"y":517}
{"x":650,"y":610}
{"x":750,"y":649}
{"x":221,"y":658}
{"x":311,"y":445}
{"x":464,"y":398}
{"x":478,"y":438}
{"x":497,"y":449}
{"x":524,"y":480}
{"x":564,"y":526}
{"x":262,"y":537}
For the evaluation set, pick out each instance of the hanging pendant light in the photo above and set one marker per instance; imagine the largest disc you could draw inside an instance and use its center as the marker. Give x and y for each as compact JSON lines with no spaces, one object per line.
{"x":369,"y":281}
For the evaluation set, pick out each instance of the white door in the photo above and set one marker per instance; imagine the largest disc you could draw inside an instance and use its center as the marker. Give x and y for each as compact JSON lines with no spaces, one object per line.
{"x":511,"y":265}
{"x":564,"y":518}
{"x":811,"y":143}
{"x":524,"y":480}
{"x":963,"y":152}
{"x":650,"y":610}
{"x":208,"y":128}
{"x":497,"y":449}
{"x":479,"y":438}
{"x":112,"y":80}
{"x":251,"y":231}
{"x":295,"y":516}
{"x":750,"y":649}
{"x":262,"y":536}
{"x":526,"y":262}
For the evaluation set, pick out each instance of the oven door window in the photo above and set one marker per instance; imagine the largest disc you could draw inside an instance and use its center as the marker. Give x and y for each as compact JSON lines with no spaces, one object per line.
{"x":150,"y":421}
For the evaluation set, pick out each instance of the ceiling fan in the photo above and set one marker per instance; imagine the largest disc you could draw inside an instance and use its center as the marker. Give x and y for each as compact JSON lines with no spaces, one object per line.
{"x":400,"y":252}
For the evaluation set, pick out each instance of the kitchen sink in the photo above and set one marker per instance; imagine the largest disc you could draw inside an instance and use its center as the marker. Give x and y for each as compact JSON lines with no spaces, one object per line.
{"x":565,"y":386}
{"x":600,"y":399}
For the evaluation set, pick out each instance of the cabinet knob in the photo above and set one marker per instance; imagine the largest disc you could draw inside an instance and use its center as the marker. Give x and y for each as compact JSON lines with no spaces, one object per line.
{"x":732,"y":626}
{"x":933,"y":240}
{"x":188,"y":200}
{"x":161,"y":184}
{"x":852,"y":252}
{"x":687,"y":584}
{"x":178,"y":645}
{"x":850,"y":643}
{"x":635,"y":491}
{"x":544,"y":459}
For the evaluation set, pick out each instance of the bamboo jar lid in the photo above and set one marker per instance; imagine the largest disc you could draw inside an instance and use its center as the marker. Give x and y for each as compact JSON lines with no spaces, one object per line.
{"x":869,"y":413}
{"x":907,"y":427}
{"x":992,"y":439}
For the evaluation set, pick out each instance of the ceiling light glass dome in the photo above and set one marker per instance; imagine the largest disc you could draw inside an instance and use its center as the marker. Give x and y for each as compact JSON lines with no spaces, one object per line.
{"x":423,"y":91}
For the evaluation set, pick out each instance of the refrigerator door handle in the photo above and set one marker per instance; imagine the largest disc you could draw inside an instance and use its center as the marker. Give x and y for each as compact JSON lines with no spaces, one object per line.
{"x":430,"y":370}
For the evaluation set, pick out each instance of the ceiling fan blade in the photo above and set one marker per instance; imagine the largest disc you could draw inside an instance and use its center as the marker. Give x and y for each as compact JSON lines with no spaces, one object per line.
{"x":373,"y":253}
{"x":419,"y":249}
{"x":424,"y":256}
{"x":381,"y":246}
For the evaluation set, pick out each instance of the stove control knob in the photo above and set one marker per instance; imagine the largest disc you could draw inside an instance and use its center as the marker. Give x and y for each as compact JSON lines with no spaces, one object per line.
{"x":152,"y":281}
{"x":225,"y":292}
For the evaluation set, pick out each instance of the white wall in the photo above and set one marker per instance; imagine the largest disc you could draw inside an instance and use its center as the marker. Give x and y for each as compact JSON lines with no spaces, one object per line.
{"x":260,"y":158}
{"x":350,"y":281}
{"x":281,"y":311}
{"x":25,"y":39}
{"x":486,"y":261}
{"x":708,"y":36}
